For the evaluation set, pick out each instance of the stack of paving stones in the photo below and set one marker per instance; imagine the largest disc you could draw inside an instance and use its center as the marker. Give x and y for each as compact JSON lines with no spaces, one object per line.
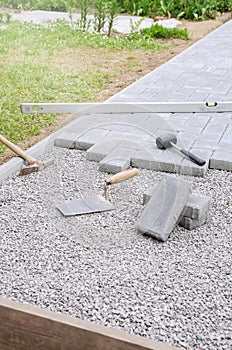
{"x":171,"y":203}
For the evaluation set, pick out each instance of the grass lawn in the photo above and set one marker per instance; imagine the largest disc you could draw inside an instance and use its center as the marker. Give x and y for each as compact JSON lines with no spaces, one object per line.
{"x":52,"y":64}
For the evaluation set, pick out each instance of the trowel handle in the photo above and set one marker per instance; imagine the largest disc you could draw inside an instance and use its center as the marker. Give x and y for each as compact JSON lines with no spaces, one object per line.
{"x":17,"y":150}
{"x":122,"y":176}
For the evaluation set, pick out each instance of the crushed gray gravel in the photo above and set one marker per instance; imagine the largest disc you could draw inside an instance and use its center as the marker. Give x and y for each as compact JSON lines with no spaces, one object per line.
{"x":99,"y":268}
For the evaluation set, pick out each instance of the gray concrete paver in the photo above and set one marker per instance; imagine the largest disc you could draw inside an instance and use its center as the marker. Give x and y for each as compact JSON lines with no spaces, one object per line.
{"x":165,"y":208}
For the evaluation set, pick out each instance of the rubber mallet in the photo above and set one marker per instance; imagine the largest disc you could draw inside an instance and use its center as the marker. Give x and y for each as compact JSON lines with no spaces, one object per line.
{"x":170,"y":140}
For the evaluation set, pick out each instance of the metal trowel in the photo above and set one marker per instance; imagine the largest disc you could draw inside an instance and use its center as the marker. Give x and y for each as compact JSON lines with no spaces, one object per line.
{"x":95,"y":203}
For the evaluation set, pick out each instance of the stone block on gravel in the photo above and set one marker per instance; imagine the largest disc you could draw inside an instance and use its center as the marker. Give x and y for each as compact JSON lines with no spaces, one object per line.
{"x":165,"y":208}
{"x":157,"y":160}
{"x":196,"y":207}
{"x":66,"y":140}
{"x":116,"y":161}
{"x":221,"y":160}
{"x":191,"y":224}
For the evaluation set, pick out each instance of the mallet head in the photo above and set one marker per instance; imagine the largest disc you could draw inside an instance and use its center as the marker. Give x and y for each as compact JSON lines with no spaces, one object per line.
{"x":165,"y":141}
{"x":38,"y":166}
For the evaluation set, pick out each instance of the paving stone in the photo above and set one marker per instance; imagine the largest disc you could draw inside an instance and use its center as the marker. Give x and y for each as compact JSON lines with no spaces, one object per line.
{"x":227,"y":138}
{"x":144,"y":159}
{"x":100,"y":150}
{"x":165,"y":208}
{"x":66,"y":140}
{"x":127,"y":136}
{"x":131,"y":144}
{"x":123,"y":127}
{"x":89,"y":138}
{"x":221,"y":160}
{"x":191,"y":224}
{"x":153,"y":124}
{"x":213,"y":128}
{"x":206,"y":145}
{"x":157,"y":160}
{"x":196,"y":207}
{"x":116,"y":161}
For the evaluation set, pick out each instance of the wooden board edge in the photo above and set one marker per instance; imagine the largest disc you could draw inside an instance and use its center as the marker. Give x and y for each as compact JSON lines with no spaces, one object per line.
{"x":40,"y":325}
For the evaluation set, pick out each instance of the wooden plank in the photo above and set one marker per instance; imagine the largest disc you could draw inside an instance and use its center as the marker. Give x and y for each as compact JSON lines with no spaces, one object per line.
{"x":26,"y":327}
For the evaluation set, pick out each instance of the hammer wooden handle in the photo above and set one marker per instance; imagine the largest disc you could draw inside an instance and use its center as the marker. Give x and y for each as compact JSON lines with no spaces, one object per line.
{"x":122,"y":176}
{"x":17,"y":150}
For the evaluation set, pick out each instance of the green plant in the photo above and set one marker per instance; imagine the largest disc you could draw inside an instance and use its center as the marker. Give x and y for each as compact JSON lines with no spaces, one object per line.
{"x":157,"y":31}
{"x":84,"y":6}
{"x":138,"y":7}
{"x":167,"y":7}
{"x":113,"y":9}
{"x":100,"y":9}
{"x":134,"y":25}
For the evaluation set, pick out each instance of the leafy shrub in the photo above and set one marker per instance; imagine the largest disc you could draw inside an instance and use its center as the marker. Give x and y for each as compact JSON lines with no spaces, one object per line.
{"x":138,"y":7}
{"x":157,"y":31}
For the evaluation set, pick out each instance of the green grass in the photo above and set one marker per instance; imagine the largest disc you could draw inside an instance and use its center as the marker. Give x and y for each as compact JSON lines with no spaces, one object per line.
{"x":31,"y":72}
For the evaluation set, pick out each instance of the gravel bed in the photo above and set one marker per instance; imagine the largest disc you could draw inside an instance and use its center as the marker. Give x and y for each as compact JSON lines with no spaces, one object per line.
{"x":99,"y":268}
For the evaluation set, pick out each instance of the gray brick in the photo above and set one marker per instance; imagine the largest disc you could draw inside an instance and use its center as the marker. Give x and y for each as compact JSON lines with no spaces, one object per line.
{"x":211,"y":146}
{"x":123,"y":128}
{"x":127,"y":136}
{"x":89,"y":138}
{"x":144,"y":159}
{"x":100,"y":150}
{"x":199,"y":119}
{"x":191,"y":224}
{"x":165,"y":208}
{"x":153,"y":124}
{"x":213,"y":128}
{"x":196,"y":207}
{"x":66,"y":140}
{"x":130,"y":144}
{"x":116,"y":161}
{"x":157,"y":160}
{"x":221,"y":160}
{"x":227,"y":138}
{"x":188,"y":136}
{"x":223,"y":87}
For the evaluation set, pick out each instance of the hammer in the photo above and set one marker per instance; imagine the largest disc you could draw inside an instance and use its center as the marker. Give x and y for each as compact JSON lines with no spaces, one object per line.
{"x":170,"y":140}
{"x":34,"y":164}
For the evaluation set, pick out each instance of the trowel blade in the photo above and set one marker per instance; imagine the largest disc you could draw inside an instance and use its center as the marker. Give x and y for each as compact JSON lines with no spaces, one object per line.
{"x":85,"y":205}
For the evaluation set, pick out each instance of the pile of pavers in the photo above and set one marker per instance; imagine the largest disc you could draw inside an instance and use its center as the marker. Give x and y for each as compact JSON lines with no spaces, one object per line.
{"x":172,"y":203}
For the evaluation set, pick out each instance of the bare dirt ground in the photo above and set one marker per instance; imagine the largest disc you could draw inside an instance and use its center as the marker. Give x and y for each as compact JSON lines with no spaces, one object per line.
{"x":138,"y":63}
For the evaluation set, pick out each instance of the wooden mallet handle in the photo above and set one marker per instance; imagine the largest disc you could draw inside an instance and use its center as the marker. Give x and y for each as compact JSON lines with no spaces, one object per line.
{"x":122,"y":176}
{"x":17,"y":150}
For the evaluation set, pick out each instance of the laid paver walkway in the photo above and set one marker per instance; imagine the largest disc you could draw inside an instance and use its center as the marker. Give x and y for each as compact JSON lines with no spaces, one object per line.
{"x":202,"y":73}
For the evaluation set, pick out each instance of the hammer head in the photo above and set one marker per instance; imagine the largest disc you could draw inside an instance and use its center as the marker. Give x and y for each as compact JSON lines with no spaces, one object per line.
{"x":38,"y":166}
{"x":165,"y":141}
